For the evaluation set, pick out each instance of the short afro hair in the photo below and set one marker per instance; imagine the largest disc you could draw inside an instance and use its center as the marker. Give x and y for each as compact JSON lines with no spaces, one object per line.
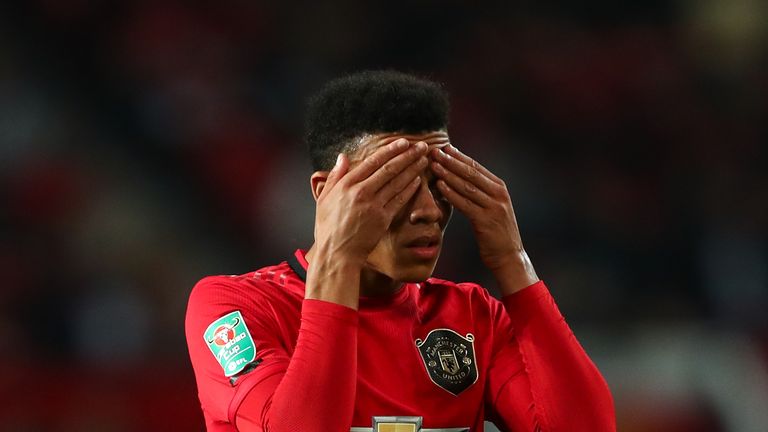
{"x":371,"y":102}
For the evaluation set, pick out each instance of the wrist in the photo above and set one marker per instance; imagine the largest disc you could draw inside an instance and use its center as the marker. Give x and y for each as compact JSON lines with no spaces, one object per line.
{"x":330,"y":255}
{"x":515,"y":274}
{"x":333,"y":278}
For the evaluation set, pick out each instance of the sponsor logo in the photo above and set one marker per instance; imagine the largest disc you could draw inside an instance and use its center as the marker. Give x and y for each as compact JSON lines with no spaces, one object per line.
{"x":396,"y":424}
{"x":231,"y":343}
{"x":449,"y":359}
{"x":224,"y":334}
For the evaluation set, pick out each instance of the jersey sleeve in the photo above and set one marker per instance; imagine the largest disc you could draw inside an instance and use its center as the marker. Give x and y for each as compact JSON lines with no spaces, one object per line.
{"x":319,"y":376}
{"x":211,"y":302}
{"x":540,"y":378}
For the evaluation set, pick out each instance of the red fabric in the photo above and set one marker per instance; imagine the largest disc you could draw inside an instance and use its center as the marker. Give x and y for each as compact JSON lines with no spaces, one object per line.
{"x":567,"y":391}
{"x":535,"y":376}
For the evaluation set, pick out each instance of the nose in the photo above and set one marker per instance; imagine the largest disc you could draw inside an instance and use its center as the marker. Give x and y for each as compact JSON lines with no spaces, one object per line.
{"x":426,"y":208}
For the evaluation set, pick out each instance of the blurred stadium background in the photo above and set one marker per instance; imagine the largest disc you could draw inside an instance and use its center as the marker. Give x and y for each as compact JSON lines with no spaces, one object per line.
{"x":146,"y":144}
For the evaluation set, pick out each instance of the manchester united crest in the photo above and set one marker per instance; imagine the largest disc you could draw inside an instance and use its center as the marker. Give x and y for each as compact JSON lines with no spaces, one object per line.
{"x":450,"y":359}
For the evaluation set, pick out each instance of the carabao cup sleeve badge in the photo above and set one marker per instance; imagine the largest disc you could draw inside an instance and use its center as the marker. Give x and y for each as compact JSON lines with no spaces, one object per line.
{"x":231,"y":343}
{"x":449,"y":359}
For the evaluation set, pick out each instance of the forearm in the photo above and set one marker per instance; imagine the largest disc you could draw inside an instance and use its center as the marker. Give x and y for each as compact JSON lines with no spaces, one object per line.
{"x":567,"y":388}
{"x":317,"y":391}
{"x":321,"y":374}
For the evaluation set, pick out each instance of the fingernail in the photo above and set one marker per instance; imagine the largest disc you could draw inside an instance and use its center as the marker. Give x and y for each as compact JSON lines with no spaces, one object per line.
{"x":338,"y":160}
{"x":401,"y":143}
{"x":421,"y":146}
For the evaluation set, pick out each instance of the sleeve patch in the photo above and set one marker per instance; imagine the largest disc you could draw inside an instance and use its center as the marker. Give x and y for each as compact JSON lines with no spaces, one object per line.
{"x":231,"y":343}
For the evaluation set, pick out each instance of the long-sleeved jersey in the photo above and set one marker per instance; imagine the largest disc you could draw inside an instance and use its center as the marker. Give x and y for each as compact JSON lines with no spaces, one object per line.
{"x":435,"y":355}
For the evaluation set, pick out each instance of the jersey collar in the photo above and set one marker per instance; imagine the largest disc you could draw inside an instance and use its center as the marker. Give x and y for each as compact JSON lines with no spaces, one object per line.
{"x":299,"y":264}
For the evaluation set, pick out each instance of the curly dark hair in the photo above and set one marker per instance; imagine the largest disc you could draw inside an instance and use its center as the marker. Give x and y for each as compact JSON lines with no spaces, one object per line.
{"x":371,"y":102}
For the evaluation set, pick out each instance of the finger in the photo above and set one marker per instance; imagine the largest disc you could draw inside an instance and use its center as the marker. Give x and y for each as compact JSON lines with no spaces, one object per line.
{"x":459,"y":201}
{"x":336,"y":174}
{"x":456,"y":153}
{"x":462,"y":186}
{"x":395,"y":166}
{"x":401,"y":181}
{"x":472,"y":172}
{"x":398,"y":201}
{"x":375,"y":161}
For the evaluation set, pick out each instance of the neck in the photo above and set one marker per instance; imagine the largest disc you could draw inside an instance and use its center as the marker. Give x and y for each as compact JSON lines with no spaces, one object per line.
{"x":372,"y":283}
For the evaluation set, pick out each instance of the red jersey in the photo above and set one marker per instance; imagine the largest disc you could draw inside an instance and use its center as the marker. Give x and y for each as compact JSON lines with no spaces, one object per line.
{"x":439,"y":355}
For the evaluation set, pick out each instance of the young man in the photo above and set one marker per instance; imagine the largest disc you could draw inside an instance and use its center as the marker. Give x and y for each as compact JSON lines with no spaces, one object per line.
{"x":354,"y":334}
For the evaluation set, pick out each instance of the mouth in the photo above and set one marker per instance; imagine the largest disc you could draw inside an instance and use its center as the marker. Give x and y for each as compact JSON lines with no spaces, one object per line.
{"x":425,"y":247}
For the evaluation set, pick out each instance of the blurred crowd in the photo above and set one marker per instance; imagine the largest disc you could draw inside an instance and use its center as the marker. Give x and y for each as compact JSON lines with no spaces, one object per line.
{"x":146,"y":144}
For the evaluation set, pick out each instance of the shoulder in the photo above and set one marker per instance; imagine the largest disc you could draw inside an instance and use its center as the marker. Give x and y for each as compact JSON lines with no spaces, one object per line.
{"x":224,"y":288}
{"x":249,"y":290}
{"x":216,"y":285}
{"x":262,"y":298}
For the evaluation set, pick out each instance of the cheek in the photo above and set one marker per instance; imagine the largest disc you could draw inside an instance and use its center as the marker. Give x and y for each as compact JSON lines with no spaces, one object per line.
{"x":447,"y":213}
{"x":383,"y":255}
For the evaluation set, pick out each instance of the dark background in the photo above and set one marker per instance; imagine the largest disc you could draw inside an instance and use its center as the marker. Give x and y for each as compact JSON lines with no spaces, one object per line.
{"x":146,"y":144}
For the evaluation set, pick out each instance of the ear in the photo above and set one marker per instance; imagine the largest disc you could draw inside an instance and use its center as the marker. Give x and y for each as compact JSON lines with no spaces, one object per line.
{"x":317,"y":182}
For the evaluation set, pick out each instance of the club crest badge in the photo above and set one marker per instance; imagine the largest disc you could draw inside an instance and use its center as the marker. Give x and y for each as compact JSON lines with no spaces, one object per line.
{"x":449,"y":359}
{"x":231,"y":343}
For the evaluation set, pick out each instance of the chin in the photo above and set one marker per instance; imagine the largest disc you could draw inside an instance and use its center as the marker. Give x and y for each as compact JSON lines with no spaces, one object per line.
{"x":415,"y":274}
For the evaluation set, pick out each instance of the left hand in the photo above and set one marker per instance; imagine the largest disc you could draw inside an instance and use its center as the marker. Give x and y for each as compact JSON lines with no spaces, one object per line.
{"x":485,"y":200}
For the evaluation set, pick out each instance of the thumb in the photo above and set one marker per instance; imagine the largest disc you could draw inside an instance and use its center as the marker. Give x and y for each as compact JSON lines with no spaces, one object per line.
{"x":338,"y":171}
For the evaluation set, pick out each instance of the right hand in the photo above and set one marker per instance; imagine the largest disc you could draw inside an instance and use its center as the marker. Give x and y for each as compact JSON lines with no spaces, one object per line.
{"x":356,"y":207}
